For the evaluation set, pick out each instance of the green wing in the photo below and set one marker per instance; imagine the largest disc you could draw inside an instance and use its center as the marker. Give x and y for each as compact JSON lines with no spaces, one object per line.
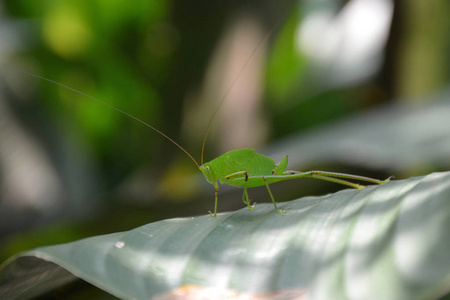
{"x":240,"y":160}
{"x":239,"y":156}
{"x":259,"y":164}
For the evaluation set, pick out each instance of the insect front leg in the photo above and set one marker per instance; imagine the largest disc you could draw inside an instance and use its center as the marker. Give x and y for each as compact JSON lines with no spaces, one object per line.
{"x":271,"y":196}
{"x":216,"y":187}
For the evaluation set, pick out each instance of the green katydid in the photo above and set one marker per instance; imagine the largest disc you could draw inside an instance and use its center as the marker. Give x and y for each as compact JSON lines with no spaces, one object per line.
{"x":243,"y":167}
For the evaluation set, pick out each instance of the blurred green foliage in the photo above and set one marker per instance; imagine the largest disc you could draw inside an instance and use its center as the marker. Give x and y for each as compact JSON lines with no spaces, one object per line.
{"x":100,"y":48}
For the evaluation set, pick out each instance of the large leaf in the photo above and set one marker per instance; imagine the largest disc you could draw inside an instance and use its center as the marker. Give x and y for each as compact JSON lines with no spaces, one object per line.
{"x":382,"y":242}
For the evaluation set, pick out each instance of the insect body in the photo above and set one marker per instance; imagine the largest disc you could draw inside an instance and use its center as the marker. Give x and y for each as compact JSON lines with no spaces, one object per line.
{"x":245,"y":168}
{"x":242,"y":168}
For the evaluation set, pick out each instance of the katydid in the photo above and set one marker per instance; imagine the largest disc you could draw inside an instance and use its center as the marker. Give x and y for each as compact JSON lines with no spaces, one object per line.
{"x":243,"y":167}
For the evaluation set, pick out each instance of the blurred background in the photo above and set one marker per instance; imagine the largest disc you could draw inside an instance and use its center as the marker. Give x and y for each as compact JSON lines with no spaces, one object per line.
{"x":357,"y":86}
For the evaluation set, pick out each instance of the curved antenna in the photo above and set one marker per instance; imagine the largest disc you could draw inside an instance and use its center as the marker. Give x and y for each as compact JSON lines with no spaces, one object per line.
{"x":232,"y":85}
{"x":117,"y":109}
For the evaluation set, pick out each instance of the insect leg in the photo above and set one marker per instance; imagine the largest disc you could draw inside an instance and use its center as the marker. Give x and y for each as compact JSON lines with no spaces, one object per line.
{"x":245,"y":196}
{"x":271,"y":196}
{"x":246,"y":200}
{"x":238,"y":174}
{"x":216,"y":187}
{"x":335,"y":177}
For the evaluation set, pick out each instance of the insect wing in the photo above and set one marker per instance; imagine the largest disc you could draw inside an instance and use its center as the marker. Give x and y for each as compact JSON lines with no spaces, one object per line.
{"x":248,"y":160}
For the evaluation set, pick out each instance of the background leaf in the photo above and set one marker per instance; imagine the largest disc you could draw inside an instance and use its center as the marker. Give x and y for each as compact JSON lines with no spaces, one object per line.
{"x":382,"y":242}
{"x":395,"y":136}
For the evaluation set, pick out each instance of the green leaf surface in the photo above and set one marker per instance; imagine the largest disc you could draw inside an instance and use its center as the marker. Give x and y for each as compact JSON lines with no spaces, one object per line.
{"x":382,"y":242}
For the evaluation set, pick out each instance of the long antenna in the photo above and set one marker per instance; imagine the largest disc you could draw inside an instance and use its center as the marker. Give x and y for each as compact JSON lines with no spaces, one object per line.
{"x":222,"y":100}
{"x":115,"y":108}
